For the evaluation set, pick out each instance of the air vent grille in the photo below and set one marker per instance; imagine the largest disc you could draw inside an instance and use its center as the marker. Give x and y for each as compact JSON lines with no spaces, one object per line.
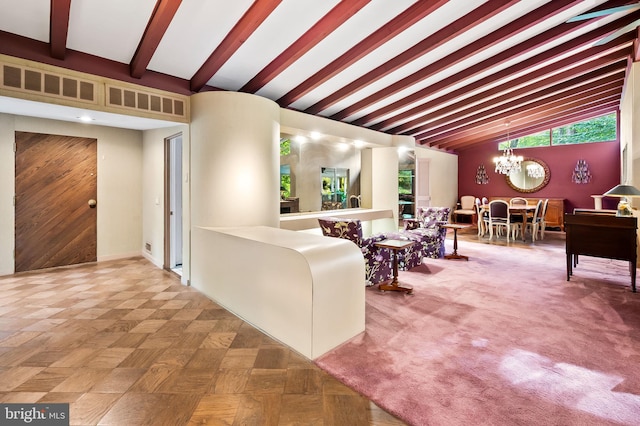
{"x":38,"y":82}
{"x":47,"y":83}
{"x":125,"y":97}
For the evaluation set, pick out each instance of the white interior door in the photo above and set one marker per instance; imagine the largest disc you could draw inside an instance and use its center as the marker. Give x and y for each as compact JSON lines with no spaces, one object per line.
{"x":423,"y":197}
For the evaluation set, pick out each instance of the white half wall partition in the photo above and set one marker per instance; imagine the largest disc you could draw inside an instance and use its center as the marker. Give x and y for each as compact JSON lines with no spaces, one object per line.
{"x":235,"y":160}
{"x":304,"y":290}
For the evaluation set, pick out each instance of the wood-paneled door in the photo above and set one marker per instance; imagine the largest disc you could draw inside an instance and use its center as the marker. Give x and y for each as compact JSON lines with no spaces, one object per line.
{"x":56,"y":196}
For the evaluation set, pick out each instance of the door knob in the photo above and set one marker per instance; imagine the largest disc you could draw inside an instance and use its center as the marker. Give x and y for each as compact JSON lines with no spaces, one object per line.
{"x":92,"y":203}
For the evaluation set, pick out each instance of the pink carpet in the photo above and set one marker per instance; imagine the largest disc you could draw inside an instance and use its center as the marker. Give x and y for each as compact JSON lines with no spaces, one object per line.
{"x":502,"y":339}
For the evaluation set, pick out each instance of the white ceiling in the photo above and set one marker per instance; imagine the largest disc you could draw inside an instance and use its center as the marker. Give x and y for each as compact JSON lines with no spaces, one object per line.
{"x":415,"y":78}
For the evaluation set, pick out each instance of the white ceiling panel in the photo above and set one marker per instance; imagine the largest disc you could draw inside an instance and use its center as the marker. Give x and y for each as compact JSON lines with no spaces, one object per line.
{"x":109,"y":29}
{"x":275,"y":34}
{"x":358,"y":27}
{"x":31,"y":22}
{"x":196,"y":30}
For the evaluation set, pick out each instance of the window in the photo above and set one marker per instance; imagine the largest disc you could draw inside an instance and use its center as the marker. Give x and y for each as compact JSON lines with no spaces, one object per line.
{"x":405,"y":182}
{"x":599,"y":129}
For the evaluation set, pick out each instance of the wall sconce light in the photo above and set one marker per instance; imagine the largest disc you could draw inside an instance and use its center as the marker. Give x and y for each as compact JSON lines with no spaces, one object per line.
{"x":481,"y":175}
{"x":581,"y":173}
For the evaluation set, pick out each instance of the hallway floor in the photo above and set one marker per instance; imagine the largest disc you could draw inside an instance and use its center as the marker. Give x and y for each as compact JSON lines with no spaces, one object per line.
{"x":125,"y":344}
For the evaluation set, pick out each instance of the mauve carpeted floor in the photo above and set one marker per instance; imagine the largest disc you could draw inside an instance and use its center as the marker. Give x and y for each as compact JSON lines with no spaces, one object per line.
{"x":502,"y":339}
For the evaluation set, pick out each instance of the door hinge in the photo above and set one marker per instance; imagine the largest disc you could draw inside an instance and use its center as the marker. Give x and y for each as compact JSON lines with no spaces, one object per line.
{"x":14,"y":200}
{"x":15,"y":147}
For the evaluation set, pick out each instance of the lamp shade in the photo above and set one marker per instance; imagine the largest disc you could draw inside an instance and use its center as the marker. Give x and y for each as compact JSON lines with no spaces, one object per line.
{"x":623,"y":191}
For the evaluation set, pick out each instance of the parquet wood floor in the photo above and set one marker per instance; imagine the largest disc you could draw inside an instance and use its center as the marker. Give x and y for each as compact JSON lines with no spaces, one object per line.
{"x":124,"y":343}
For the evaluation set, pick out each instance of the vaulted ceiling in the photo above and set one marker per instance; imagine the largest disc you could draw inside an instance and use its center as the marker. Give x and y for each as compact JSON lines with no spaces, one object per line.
{"x":452,"y":74}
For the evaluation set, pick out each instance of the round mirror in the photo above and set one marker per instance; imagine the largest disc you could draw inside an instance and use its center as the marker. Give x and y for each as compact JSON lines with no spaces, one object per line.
{"x":532,"y":176}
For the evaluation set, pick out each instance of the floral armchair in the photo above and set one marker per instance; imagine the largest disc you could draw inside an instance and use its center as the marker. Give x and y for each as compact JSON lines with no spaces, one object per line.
{"x":428,"y":231}
{"x":378,"y":267}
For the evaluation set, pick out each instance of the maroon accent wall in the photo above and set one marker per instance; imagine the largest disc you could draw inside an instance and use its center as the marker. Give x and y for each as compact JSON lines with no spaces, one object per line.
{"x":603,"y":159}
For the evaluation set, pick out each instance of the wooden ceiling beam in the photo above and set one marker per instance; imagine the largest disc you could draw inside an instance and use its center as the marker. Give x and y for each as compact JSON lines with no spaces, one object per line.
{"x":602,"y":86}
{"x":525,"y":115}
{"x":59,"y":27}
{"x":559,"y":119}
{"x":466,"y":23}
{"x":489,"y":63}
{"x":584,"y":60}
{"x":324,"y":27}
{"x":391,"y":29}
{"x":530,"y":113}
{"x":246,"y":25}
{"x":542,"y":13}
{"x":160,"y":19}
{"x":451,"y":118}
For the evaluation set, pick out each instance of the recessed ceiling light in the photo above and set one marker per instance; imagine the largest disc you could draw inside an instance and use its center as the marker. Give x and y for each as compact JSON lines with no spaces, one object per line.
{"x":315,"y":136}
{"x":85,"y":118}
{"x":358,"y":143}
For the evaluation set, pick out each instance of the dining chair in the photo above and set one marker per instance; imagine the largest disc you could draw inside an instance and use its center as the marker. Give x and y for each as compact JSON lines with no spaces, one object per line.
{"x":517,"y":201}
{"x":483,"y":218}
{"x":499,"y":217}
{"x":534,"y":222}
{"x":517,"y":219}
{"x":467,"y":208}
{"x":543,"y":221}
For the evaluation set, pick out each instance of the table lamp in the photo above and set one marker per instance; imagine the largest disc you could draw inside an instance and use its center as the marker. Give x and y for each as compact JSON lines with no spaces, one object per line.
{"x":624,"y":192}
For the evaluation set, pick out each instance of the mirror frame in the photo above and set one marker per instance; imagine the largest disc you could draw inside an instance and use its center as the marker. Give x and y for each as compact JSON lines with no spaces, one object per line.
{"x":545,"y":181}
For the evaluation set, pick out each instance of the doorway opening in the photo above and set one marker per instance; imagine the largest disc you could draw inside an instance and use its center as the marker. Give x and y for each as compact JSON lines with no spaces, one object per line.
{"x":173,"y":204}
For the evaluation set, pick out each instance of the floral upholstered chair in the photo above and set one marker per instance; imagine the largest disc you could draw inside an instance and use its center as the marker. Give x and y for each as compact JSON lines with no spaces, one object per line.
{"x":428,"y":231}
{"x":377,"y":260}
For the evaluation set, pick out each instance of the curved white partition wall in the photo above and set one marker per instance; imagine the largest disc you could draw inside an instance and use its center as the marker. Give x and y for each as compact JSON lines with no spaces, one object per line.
{"x":304,"y":290}
{"x":235,"y":160}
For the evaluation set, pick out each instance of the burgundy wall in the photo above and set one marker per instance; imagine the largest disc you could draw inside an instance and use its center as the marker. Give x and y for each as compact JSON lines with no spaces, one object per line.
{"x":603,"y":159}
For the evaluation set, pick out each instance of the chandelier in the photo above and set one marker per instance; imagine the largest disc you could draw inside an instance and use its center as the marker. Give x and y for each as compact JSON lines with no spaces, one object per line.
{"x":535,"y":171}
{"x":508,"y":161}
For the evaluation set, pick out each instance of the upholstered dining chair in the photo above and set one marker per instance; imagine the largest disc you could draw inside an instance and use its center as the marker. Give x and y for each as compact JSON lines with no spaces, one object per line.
{"x":483,"y":218}
{"x":517,"y":201}
{"x":534,"y":222}
{"x":467,"y":208}
{"x":499,"y":218}
{"x":543,"y":215}
{"x":517,"y":220}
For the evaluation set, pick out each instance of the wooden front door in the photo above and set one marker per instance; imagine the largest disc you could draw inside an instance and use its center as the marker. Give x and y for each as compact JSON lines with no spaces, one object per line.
{"x":55,"y":181}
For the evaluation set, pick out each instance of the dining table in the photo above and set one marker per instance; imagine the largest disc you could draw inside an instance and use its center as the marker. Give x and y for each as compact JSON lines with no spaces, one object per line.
{"x":524,"y":210}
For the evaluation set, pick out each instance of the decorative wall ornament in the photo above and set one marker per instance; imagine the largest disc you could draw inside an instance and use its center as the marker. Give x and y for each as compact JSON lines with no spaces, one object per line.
{"x":581,"y":173}
{"x":482,"y":178}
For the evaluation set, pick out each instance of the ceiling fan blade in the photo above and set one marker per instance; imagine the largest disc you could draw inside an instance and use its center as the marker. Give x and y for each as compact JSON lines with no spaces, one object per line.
{"x":618,"y":33}
{"x":604,"y":12}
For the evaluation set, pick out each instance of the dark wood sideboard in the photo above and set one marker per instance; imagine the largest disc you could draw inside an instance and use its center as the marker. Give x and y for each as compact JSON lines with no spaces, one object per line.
{"x":601,"y":235}
{"x":555,"y":210}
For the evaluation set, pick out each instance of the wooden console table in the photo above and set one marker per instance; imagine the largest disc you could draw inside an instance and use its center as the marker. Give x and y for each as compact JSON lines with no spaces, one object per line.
{"x":600,"y":235}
